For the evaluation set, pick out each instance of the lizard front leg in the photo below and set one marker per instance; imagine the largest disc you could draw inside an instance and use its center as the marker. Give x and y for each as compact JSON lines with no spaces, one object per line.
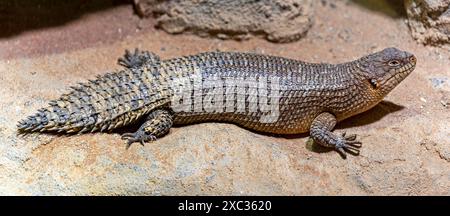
{"x":321,"y":133}
{"x":156,"y":125}
{"x":137,"y":59}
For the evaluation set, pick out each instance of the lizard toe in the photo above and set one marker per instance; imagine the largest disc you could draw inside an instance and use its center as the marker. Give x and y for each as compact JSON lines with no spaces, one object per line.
{"x":356,"y":144}
{"x":342,"y":152}
{"x":349,"y":137}
{"x":127,"y":136}
{"x":138,"y":136}
{"x":344,"y":144}
{"x":135,"y":59}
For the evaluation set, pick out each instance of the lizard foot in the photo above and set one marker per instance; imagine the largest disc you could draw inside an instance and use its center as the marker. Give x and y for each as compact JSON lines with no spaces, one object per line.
{"x":139,"y":136}
{"x":136,"y":59}
{"x":347,"y":143}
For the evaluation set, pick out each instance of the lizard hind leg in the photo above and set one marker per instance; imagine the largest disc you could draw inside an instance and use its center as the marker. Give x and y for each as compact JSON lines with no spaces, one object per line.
{"x":157,"y":124}
{"x":137,"y":59}
{"x":321,"y":133}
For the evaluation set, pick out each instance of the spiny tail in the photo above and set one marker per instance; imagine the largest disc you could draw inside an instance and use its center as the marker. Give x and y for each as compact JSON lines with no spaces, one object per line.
{"x":102,"y":104}
{"x":36,"y":122}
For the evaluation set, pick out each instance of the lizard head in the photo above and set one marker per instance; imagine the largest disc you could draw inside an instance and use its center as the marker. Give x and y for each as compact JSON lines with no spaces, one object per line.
{"x":383,"y":71}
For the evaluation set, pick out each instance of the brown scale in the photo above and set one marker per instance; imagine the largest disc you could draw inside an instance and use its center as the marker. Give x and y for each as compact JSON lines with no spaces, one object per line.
{"x":312,"y":97}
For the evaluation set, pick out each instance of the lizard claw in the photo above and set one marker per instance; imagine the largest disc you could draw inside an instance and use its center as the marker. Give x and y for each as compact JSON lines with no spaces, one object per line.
{"x":125,"y":61}
{"x":138,"y":136}
{"x":349,"y":137}
{"x":136,"y":59}
{"x":348,"y":143}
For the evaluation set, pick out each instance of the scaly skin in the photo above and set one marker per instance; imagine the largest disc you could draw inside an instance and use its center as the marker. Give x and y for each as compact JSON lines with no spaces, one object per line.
{"x":229,"y":87}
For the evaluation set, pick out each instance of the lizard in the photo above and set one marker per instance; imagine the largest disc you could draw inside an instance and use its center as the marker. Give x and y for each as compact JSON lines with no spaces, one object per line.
{"x":302,"y":97}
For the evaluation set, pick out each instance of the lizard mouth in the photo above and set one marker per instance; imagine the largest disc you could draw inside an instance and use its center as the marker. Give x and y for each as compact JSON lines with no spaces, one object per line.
{"x":392,"y":78}
{"x":397,"y":75}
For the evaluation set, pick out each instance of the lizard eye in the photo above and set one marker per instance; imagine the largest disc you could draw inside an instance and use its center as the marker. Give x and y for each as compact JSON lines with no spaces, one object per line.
{"x":373,"y":83}
{"x":393,"y":63}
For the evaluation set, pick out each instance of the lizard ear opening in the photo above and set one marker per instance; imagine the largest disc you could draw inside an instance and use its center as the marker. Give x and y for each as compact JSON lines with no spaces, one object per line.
{"x":373,"y":83}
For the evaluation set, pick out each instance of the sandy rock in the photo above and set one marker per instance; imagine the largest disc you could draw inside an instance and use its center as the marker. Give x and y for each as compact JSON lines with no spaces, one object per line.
{"x":275,"y":20}
{"x":429,"y":20}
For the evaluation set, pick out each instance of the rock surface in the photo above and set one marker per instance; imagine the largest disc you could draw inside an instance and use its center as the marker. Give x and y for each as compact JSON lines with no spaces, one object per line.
{"x":429,"y":20}
{"x":406,"y":145}
{"x":275,"y":20}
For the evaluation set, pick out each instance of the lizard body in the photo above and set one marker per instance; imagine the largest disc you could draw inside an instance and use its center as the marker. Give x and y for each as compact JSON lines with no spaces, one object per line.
{"x":259,"y":92}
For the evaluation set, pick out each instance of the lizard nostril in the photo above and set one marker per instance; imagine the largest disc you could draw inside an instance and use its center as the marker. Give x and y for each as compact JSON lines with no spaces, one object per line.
{"x":413,"y":59}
